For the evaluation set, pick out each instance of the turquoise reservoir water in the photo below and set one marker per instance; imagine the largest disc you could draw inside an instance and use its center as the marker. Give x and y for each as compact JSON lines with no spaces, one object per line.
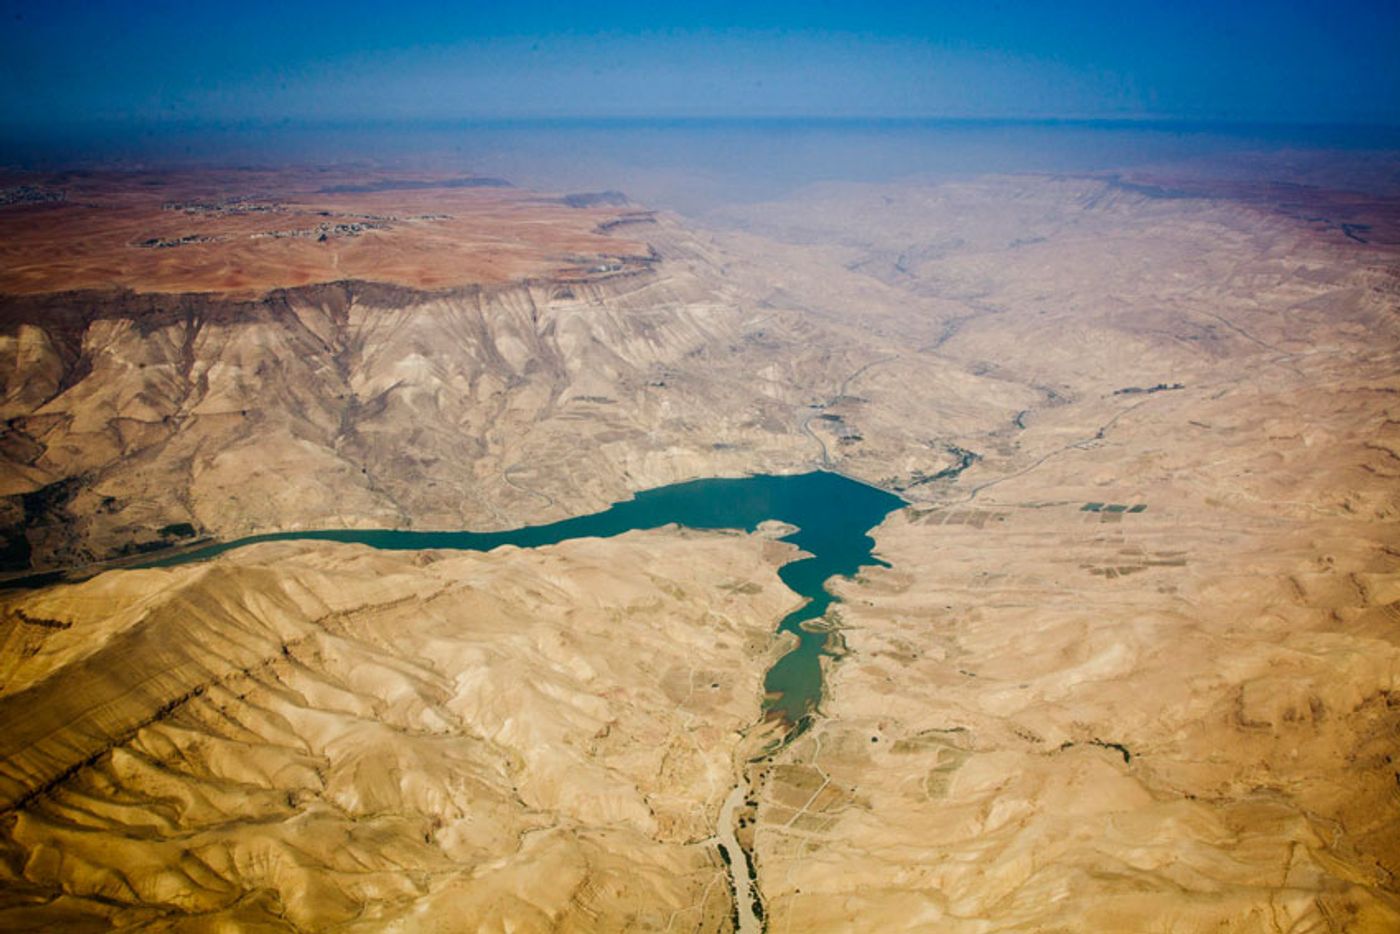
{"x":832,"y":514}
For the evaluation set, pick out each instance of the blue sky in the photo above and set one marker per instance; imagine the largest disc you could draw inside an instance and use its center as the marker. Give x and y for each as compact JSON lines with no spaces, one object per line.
{"x":103,"y":62}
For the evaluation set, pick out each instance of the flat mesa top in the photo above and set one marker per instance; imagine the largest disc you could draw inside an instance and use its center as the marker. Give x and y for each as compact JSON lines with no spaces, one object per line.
{"x":249,"y":231}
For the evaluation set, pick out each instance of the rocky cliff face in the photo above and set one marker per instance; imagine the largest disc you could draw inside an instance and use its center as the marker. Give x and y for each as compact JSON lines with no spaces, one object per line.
{"x":130,"y":419}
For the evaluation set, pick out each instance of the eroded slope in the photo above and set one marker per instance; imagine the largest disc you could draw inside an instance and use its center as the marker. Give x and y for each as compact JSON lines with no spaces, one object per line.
{"x":1134,"y":668}
{"x":309,"y":737}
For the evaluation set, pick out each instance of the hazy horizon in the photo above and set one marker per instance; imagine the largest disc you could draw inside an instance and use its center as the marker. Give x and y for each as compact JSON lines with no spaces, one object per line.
{"x":691,"y":105}
{"x":693,"y":165}
{"x":87,"y":64}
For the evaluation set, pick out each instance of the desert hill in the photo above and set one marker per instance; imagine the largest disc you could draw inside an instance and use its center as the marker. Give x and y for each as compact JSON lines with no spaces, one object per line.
{"x":297,"y":738}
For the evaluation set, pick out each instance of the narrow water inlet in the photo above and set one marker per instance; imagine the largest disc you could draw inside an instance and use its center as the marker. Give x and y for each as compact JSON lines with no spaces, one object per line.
{"x":832,"y":514}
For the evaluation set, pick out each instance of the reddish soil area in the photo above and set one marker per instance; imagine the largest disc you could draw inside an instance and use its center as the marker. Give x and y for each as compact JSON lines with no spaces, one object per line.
{"x":244,"y":232}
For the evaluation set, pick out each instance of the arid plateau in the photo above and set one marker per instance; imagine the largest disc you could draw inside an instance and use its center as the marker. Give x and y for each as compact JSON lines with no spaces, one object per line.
{"x":1130,"y":660}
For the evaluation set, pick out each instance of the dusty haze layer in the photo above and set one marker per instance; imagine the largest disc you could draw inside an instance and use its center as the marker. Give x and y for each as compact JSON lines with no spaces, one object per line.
{"x":1133,"y":666}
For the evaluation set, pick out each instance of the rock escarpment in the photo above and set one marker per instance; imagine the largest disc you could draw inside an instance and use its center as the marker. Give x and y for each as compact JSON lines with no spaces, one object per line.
{"x":355,"y":404}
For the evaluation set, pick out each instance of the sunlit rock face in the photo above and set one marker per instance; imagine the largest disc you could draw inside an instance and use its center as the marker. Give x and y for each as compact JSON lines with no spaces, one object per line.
{"x":1131,"y":666}
{"x":368,"y":406}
